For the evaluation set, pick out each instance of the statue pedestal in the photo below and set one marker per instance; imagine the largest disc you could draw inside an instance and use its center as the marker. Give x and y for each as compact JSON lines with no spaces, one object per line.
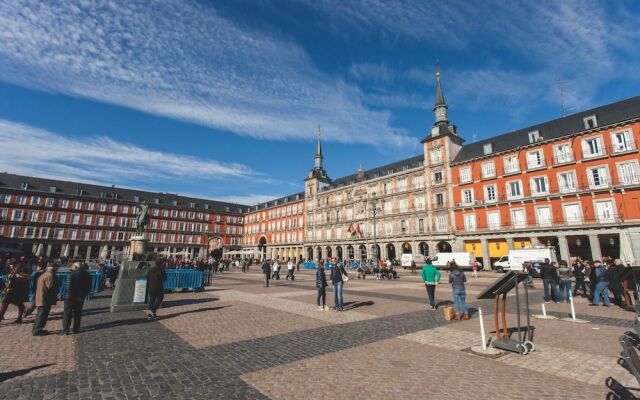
{"x":138,"y":244}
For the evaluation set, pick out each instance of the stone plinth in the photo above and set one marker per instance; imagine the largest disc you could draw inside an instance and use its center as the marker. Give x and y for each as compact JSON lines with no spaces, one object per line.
{"x":137,"y":244}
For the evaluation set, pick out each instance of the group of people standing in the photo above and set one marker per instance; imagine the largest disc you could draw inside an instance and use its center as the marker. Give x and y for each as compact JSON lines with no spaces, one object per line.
{"x":602,"y":277}
{"x":46,"y":286}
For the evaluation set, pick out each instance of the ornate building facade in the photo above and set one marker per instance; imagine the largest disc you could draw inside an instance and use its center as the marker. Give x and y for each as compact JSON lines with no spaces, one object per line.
{"x":572,"y":183}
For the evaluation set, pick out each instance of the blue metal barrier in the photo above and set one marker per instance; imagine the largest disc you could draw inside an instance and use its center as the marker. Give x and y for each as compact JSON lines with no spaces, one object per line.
{"x":97,"y":284}
{"x":310,"y":265}
{"x":184,"y":279}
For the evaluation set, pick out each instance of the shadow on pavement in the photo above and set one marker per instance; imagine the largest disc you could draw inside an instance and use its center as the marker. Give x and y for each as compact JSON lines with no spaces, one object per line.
{"x":186,"y":302}
{"x":199,"y":310}
{"x":350,"y":305}
{"x":4,"y":376}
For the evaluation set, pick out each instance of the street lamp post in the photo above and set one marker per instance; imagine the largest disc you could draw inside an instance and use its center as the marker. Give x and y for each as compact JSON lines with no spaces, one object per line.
{"x":375,"y":242}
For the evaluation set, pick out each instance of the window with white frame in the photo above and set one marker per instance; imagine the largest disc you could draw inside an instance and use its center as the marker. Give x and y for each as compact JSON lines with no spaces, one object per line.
{"x":592,"y":147}
{"x":388,"y":208}
{"x":437,"y":177}
{"x":490,"y":194}
{"x":628,"y":173}
{"x":465,"y":174}
{"x":622,"y":141}
{"x":50,"y":202}
{"x":44,"y":233}
{"x":441,"y":222}
{"x":33,"y":216}
{"x":535,"y":159}
{"x":598,"y":177}
{"x":15,"y":231}
{"x":64,"y":203}
{"x":5,"y":198}
{"x":35,"y":200}
{"x":493,"y":220}
{"x":3,"y":214}
{"x":403,"y":204}
{"x":539,"y":185}
{"x":534,"y":136}
{"x":388,"y":228}
{"x":511,"y":164}
{"x":467,"y":197}
{"x":518,"y":218}
{"x":22,"y":200}
{"x":543,"y":216}
{"x":590,"y":122}
{"x":75,"y":219}
{"x":567,"y":182}
{"x":605,"y":211}
{"x":402,"y":184}
{"x":514,"y":190}
{"x":436,"y":155}
{"x":419,"y":202}
{"x":73,"y":234}
{"x":562,"y":153}
{"x":488,"y":169}
{"x":30,"y":232}
{"x":439,"y":197}
{"x":572,"y":213}
{"x":18,"y":215}
{"x":418,"y":182}
{"x":470,"y":222}
{"x":59,"y":233}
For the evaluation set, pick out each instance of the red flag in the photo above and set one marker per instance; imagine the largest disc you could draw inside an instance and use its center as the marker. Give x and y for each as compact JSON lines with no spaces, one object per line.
{"x":350,"y":228}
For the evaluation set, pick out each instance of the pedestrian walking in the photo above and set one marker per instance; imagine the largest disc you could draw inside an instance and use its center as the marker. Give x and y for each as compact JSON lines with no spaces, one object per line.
{"x":547,"y":272}
{"x":321,"y":285}
{"x":266,"y":270}
{"x":276,"y":270}
{"x":474,"y":269}
{"x":46,"y":297}
{"x":16,"y":290}
{"x":457,"y":280}
{"x":601,"y":290}
{"x":564,"y":275}
{"x":78,"y":287}
{"x":290,"y":270}
{"x":431,"y":277}
{"x":156,"y":276}
{"x":338,"y":277}
{"x":42,"y":266}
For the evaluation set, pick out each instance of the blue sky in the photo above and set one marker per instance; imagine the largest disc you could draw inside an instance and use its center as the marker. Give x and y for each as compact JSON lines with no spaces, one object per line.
{"x":222,"y":99}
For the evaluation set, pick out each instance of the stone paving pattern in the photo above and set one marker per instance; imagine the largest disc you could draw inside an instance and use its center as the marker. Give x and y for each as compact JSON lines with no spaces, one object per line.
{"x":238,"y":339}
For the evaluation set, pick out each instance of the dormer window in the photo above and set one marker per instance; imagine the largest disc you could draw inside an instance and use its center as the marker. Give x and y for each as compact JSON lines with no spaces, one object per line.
{"x":174,"y":202}
{"x":136,"y":198}
{"x":156,"y":200}
{"x":590,"y":122}
{"x":206,"y":206}
{"x":487,"y":148}
{"x":53,"y":189}
{"x":24,"y":186}
{"x":192,"y":205}
{"x":534,"y":136}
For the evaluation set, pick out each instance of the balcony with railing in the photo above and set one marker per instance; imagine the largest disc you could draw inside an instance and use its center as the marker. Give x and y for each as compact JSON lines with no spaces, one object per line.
{"x":593,"y":184}
{"x":505,"y":226}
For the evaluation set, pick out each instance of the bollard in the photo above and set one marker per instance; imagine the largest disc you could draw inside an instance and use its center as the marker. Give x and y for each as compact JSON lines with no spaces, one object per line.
{"x":483,"y":350}
{"x":544,"y":314}
{"x":484,"y":340}
{"x":573,"y":313}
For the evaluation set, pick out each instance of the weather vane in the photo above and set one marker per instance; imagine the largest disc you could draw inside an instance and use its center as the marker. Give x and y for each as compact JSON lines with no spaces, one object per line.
{"x":318,"y":132}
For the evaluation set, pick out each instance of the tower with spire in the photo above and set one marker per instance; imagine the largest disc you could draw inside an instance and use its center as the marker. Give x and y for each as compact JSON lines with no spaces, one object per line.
{"x":318,"y":172}
{"x":441,"y":126}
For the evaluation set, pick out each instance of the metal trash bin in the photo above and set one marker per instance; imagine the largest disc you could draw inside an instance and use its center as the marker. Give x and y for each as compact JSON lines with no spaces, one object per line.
{"x":130,"y":293}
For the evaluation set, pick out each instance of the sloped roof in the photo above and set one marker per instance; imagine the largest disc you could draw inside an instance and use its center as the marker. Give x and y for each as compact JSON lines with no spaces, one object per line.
{"x":605,"y":115}
{"x":98,"y":192}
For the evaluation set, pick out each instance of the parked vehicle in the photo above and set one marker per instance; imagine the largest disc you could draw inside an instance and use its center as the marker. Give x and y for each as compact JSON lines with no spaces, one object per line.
{"x":406,"y":260}
{"x":514,"y":260}
{"x":464,"y":260}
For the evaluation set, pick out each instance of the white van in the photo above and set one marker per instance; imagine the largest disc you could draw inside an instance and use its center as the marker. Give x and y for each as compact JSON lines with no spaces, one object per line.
{"x":406,"y":260}
{"x":464,"y":260}
{"x":515,"y":258}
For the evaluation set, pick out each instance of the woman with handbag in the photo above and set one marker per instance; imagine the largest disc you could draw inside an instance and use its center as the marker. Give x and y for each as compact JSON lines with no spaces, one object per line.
{"x":338,"y":277}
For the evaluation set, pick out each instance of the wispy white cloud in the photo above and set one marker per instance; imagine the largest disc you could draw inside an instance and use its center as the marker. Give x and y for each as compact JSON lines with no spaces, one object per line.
{"x":517,"y":54}
{"x":249,"y":199}
{"x":101,"y":160}
{"x":183,"y":60}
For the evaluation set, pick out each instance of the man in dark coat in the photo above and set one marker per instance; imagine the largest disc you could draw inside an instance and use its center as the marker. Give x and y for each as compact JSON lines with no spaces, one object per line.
{"x":266,"y":270}
{"x":155,"y":288}
{"x":78,"y":287}
{"x":46,"y":297}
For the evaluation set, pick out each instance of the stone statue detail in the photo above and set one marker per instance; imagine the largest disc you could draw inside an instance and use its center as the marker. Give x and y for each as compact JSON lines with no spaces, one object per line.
{"x":142,"y":219}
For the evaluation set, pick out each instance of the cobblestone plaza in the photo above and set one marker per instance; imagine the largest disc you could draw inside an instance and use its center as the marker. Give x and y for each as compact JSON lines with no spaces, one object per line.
{"x":238,"y":339}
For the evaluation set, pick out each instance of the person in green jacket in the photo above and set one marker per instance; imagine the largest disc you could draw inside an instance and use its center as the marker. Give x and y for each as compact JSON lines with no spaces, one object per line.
{"x":431,"y":277}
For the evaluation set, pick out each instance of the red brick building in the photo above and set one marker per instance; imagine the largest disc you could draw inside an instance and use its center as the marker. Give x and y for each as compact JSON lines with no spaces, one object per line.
{"x":572,"y":183}
{"x":58,"y":218}
{"x":276,"y":228}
